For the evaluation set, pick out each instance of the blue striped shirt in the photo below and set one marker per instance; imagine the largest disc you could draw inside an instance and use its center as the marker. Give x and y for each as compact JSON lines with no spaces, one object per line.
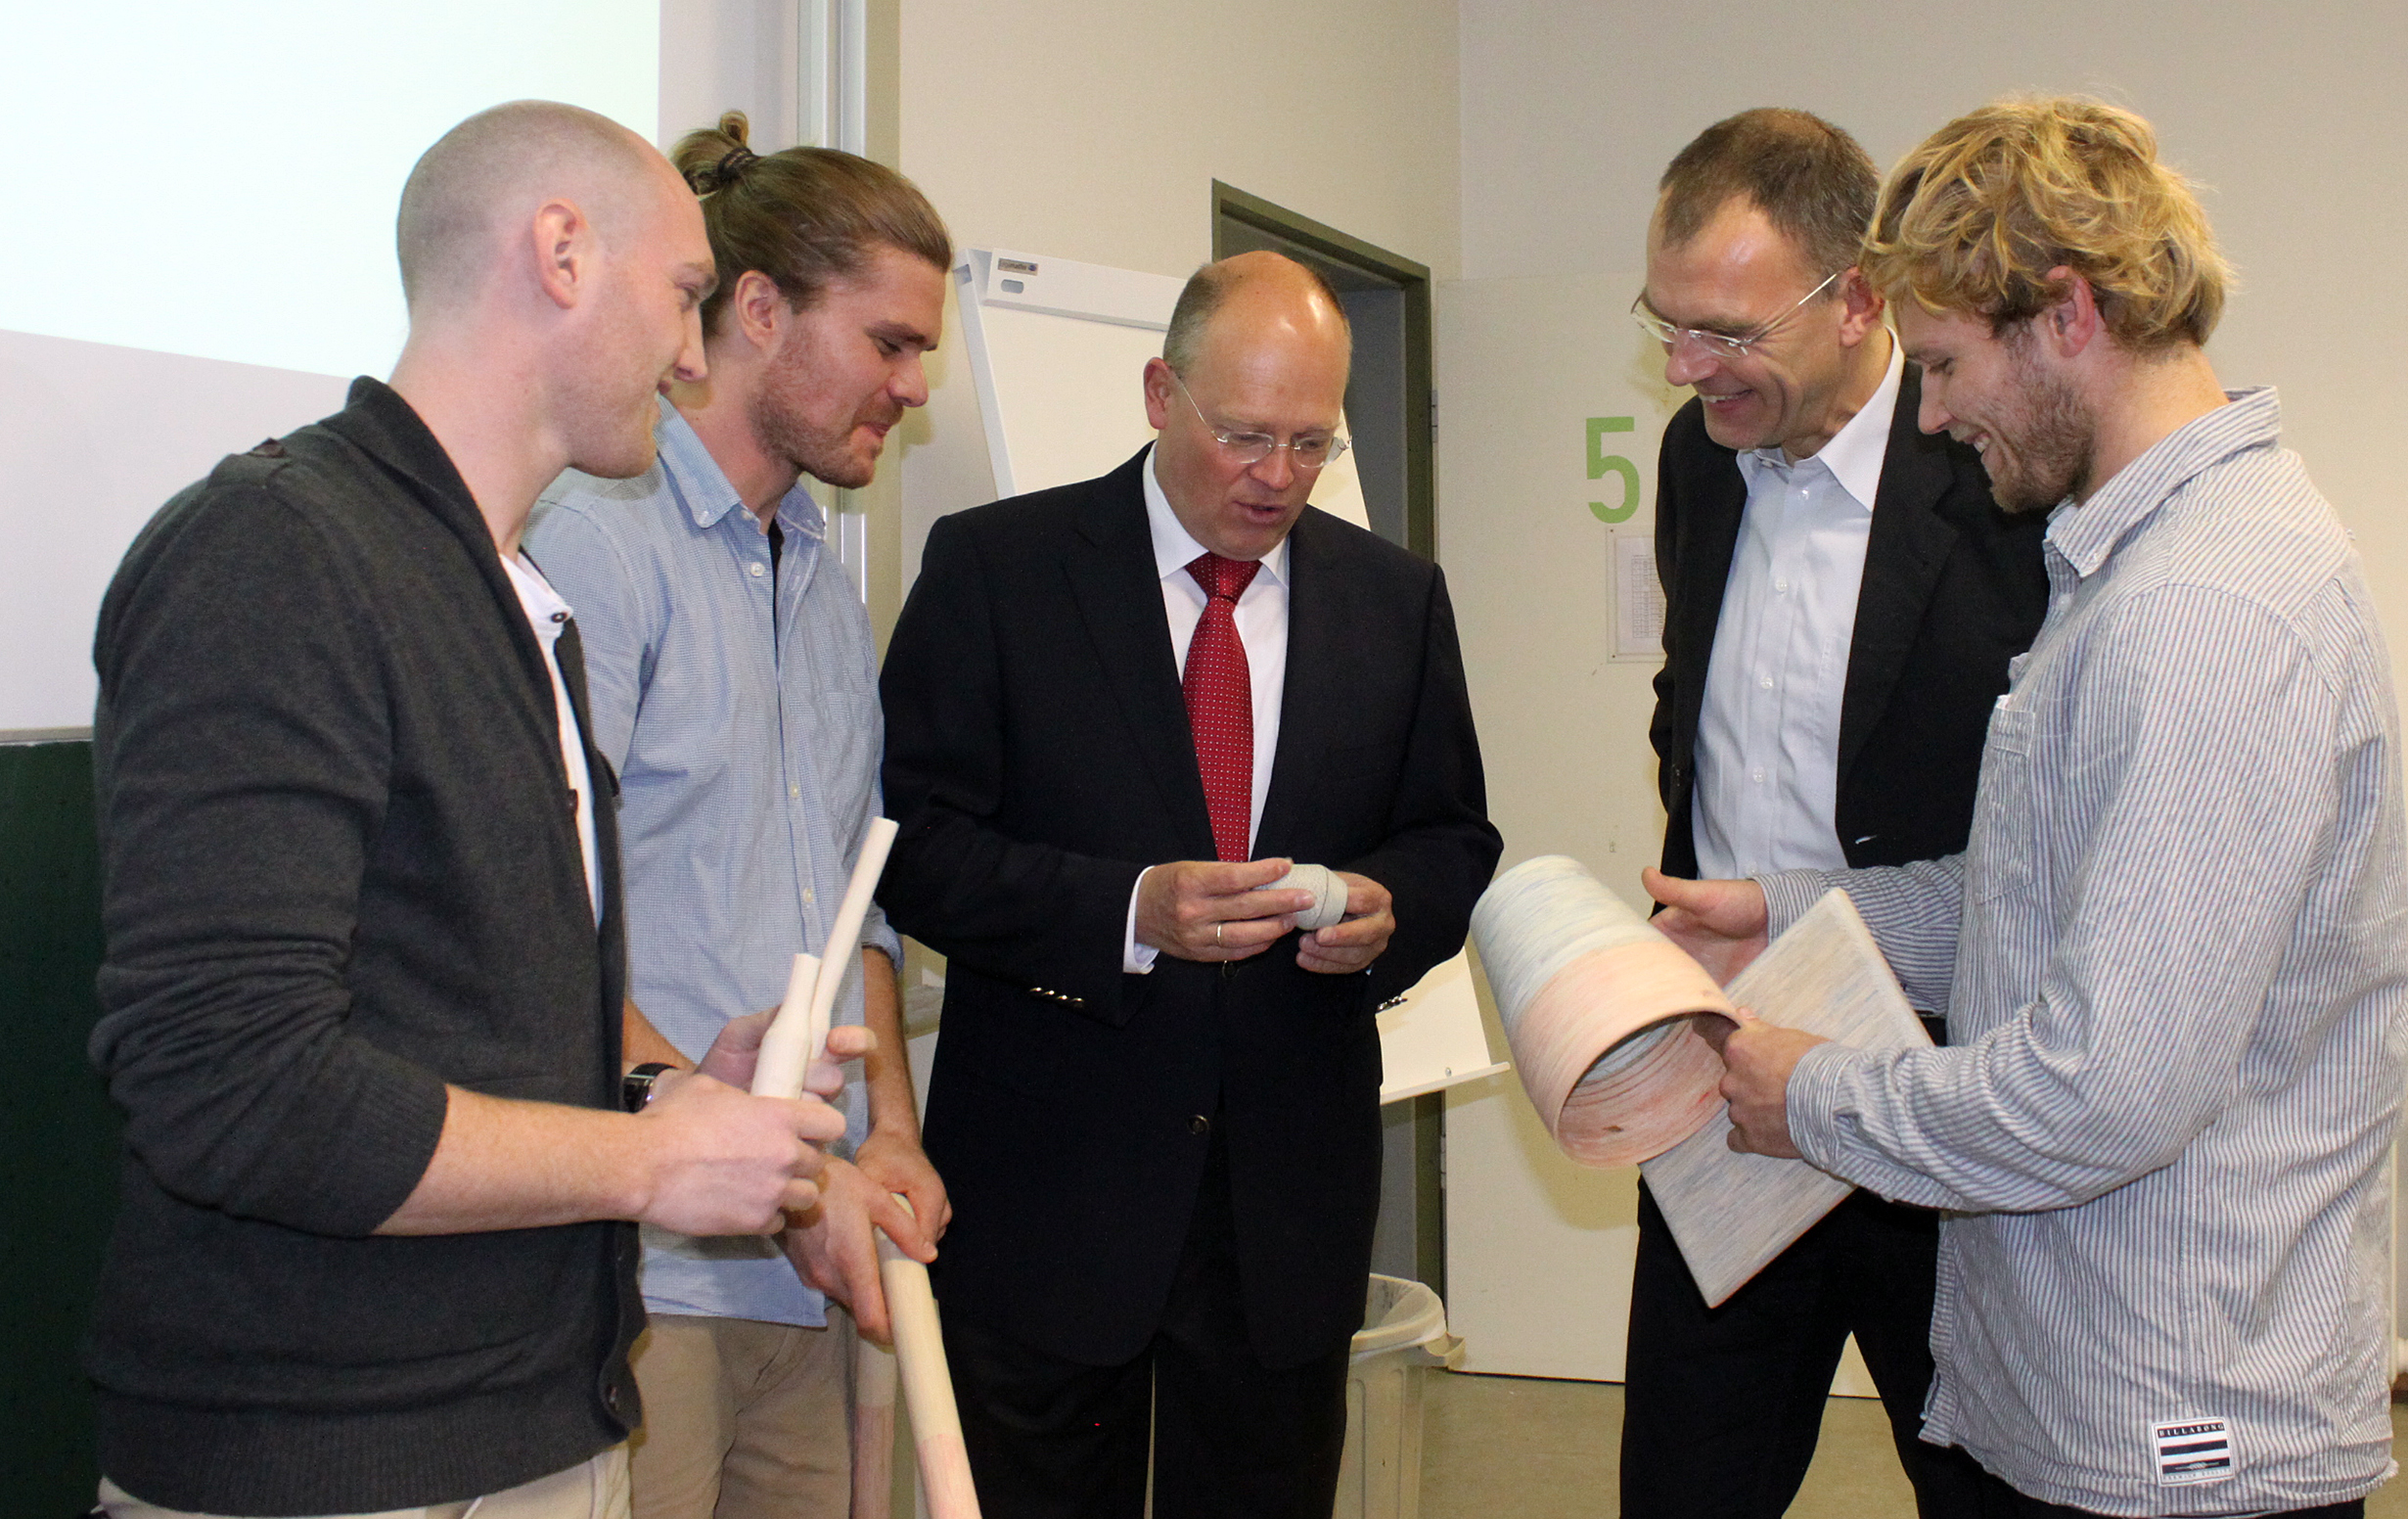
{"x":740,"y":706}
{"x":2174,"y":955}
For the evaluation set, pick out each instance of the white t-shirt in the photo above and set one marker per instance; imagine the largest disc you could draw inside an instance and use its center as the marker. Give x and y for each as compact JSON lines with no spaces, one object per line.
{"x":547,"y":614}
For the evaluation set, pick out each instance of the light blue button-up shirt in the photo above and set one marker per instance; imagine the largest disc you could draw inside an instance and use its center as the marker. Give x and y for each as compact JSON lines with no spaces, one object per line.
{"x":740,"y":706}
{"x":1769,"y":734}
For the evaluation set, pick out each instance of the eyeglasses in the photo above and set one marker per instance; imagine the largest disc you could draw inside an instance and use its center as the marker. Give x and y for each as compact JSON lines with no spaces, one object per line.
{"x":1718,"y":344}
{"x":1307,"y":451}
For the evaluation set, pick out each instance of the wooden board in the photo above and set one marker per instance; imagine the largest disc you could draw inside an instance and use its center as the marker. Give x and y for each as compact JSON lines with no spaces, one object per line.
{"x":1730,"y":1213}
{"x":1433,"y":1038}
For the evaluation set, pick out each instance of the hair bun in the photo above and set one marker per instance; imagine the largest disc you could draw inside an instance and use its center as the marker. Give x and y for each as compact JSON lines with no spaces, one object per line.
{"x":731,"y":166}
{"x":716,"y":158}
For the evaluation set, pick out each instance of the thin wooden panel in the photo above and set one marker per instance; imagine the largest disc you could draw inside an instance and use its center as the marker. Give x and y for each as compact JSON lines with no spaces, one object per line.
{"x":1730,"y":1213}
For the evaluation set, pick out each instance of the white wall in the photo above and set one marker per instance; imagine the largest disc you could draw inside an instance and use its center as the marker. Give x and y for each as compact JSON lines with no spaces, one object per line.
{"x":729,"y":55}
{"x":1093,"y":129}
{"x":1539,"y":1249}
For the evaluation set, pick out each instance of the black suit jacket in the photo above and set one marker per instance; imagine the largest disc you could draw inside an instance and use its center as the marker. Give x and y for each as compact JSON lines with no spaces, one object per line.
{"x":1953,"y":589}
{"x":1039,"y":758}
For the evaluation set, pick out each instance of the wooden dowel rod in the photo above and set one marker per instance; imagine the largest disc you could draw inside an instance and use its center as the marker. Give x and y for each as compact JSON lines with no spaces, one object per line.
{"x":928,"y":1384}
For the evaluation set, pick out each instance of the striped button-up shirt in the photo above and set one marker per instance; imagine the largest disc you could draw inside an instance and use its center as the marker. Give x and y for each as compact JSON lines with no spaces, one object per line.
{"x":739,"y":703}
{"x":2174,"y":953}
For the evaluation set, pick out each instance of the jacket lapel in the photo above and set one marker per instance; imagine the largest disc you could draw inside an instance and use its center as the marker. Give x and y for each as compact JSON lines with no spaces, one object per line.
{"x":1313,"y":703}
{"x":1710,"y":532}
{"x":1110,"y":562}
{"x":1908,"y":546}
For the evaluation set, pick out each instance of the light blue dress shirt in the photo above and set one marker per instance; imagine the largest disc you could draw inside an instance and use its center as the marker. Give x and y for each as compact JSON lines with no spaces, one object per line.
{"x":740,"y":708}
{"x":1769,"y":734}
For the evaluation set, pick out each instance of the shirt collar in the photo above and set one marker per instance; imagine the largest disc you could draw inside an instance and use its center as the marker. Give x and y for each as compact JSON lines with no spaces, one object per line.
{"x":1854,"y":454}
{"x":703,"y":488}
{"x":1174,"y":549}
{"x":2087,"y":535}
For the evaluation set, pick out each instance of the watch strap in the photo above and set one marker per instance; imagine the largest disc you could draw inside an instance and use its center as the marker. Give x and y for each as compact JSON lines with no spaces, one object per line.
{"x":635,"y":1088}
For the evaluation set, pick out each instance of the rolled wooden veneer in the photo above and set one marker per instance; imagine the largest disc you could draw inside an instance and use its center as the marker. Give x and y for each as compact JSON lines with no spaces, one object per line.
{"x":1599,"y":1009}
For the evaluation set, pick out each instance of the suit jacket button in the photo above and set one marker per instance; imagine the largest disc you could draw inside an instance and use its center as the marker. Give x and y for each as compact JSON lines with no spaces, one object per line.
{"x":1198,"y":1124}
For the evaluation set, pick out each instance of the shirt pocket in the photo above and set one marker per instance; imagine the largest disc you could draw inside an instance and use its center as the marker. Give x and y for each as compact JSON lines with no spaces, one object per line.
{"x":2001,"y":854}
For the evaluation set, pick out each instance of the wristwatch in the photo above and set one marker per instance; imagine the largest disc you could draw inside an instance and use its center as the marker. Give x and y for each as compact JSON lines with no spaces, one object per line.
{"x":635,"y":1088}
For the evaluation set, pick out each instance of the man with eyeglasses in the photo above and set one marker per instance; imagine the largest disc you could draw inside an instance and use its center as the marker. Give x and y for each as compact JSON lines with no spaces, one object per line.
{"x":1842,"y":598}
{"x":1116,"y":712}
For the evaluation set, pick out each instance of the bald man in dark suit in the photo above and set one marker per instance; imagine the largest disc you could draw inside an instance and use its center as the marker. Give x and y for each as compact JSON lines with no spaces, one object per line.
{"x":1115,"y":711}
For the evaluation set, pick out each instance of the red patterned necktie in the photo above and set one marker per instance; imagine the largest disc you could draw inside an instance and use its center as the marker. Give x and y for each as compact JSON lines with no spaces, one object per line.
{"x":1220,"y":702}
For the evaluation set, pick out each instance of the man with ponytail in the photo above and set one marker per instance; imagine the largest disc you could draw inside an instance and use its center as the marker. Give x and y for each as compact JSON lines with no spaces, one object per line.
{"x":2171,"y":955}
{"x":733,"y":681}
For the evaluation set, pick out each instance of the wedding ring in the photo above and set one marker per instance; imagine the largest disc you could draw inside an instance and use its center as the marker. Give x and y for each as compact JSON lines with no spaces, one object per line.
{"x":1216,"y":935}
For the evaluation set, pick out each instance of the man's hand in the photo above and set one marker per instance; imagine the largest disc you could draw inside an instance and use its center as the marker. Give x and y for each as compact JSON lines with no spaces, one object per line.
{"x":834,"y":1249}
{"x":898,"y":1165}
{"x":718,"y":1160}
{"x":738,"y":1049}
{"x":1203,"y":910}
{"x":1720,"y":923}
{"x":1350,"y":945}
{"x":1758,"y":1057}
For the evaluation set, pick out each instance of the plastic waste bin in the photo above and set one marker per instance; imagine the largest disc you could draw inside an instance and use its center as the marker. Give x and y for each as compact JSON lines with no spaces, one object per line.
{"x":1403,"y":1335}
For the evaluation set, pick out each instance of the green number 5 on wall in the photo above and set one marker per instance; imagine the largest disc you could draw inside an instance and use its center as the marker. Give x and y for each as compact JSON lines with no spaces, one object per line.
{"x":1602,"y":464}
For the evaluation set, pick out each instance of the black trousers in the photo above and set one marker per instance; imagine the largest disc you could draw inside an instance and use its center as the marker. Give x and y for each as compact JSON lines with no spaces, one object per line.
{"x":2000,"y":1502}
{"x":1722,"y":1406}
{"x":1053,"y":1439}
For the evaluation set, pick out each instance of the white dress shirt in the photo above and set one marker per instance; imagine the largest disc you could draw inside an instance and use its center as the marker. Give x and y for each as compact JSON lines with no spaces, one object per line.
{"x":547,"y":614}
{"x":1768,"y":735}
{"x":1261,"y":618}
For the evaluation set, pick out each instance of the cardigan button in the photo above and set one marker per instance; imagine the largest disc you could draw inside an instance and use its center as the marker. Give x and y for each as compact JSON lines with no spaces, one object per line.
{"x":1197,"y":1124}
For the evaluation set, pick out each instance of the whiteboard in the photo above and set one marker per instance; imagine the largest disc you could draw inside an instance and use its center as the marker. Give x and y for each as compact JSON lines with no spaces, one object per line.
{"x":1057,"y":353}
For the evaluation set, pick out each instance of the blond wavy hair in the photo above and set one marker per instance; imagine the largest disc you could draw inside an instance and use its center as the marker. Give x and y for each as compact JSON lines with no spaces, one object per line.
{"x":1976,"y":218}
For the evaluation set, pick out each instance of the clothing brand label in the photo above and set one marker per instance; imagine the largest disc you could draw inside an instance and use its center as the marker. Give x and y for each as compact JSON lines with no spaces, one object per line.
{"x":2192,"y":1450}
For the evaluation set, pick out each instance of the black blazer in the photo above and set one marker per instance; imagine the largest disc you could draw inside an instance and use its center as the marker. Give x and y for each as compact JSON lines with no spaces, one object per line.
{"x":1038,"y":758}
{"x":1953,"y":589}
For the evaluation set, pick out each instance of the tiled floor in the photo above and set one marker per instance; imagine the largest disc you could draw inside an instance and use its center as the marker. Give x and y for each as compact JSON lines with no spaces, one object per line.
{"x":1516,"y":1447}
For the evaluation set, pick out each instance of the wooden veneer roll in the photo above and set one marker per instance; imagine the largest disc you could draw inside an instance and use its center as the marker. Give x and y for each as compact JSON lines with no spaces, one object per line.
{"x":1599,"y":1009}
